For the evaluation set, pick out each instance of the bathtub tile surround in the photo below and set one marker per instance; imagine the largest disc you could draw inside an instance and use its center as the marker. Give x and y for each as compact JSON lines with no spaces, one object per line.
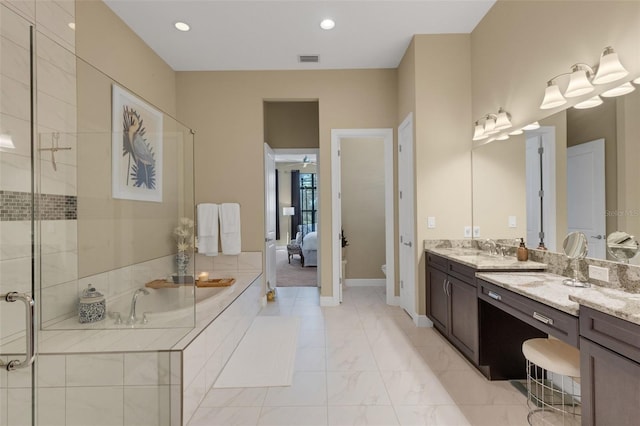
{"x":622,"y":276}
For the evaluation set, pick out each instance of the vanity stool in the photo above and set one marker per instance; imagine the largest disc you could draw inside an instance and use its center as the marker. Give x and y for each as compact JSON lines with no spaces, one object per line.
{"x":553,"y":382}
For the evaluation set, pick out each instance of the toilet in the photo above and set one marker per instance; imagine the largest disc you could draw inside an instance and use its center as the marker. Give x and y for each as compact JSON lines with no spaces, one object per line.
{"x":384,"y":269}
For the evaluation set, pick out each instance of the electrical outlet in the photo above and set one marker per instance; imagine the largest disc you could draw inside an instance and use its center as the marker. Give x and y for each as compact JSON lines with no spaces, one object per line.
{"x":467,"y":232}
{"x":512,"y":222}
{"x":431,"y":222}
{"x":598,"y":273}
{"x":476,"y":231}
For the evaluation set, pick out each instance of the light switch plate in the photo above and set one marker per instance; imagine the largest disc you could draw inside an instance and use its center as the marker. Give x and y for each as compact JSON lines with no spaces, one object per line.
{"x":512,"y":222}
{"x":431,"y":222}
{"x":598,"y":273}
{"x":476,"y":231}
{"x":467,"y":232}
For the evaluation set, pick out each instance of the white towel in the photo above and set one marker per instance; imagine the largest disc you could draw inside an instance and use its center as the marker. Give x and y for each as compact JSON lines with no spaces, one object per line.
{"x":230,"y":228}
{"x":208,"y":229}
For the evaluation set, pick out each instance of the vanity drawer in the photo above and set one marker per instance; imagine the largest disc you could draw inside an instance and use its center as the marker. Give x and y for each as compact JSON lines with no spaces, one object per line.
{"x":463,"y":272}
{"x":545,"y":318}
{"x":614,"y":333}
{"x":437,"y":261}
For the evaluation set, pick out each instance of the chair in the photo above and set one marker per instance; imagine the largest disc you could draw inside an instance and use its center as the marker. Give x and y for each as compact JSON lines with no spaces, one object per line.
{"x":553,"y":382}
{"x":294,"y":247}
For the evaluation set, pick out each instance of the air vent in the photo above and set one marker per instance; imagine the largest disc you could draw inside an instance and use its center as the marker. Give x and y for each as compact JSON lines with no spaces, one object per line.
{"x":308,"y":59}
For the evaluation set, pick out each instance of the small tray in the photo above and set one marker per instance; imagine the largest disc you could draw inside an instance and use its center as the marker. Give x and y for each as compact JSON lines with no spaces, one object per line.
{"x":216,"y":282}
{"x":213,"y":282}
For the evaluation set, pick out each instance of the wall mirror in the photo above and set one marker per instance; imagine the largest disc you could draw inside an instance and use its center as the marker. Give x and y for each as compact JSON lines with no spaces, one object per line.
{"x":584,"y":163}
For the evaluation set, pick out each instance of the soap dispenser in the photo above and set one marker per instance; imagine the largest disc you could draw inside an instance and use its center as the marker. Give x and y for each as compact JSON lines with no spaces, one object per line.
{"x":523,"y":253}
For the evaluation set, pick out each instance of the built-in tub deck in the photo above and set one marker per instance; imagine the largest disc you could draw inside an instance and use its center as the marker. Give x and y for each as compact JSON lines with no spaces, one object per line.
{"x":157,"y":335}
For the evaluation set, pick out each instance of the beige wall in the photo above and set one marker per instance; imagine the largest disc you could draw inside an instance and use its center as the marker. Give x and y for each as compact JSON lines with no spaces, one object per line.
{"x":226,"y":109}
{"x":363,"y":206}
{"x":291,"y":124}
{"x":519,"y":45}
{"x":628,"y":132}
{"x":442,"y":142}
{"x":114,"y":233}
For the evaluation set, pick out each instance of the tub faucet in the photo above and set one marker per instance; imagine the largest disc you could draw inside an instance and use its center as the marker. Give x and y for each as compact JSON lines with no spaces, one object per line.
{"x":132,"y":312}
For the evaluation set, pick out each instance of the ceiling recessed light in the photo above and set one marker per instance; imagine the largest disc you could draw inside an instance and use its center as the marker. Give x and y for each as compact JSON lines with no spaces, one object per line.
{"x":182,"y":26}
{"x":327,"y":24}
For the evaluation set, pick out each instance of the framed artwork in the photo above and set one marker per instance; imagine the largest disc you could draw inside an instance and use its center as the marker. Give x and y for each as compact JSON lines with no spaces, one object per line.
{"x":136,"y":148}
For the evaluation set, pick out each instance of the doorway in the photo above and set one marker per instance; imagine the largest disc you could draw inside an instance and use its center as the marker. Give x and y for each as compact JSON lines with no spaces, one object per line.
{"x":338,"y":137}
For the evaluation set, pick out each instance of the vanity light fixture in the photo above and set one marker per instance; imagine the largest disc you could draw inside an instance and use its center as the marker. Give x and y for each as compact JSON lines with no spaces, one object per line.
{"x":6,"y":141}
{"x":516,"y":132}
{"x":583,"y":77}
{"x":610,"y":69}
{"x":619,"y":91}
{"x":589,"y":103}
{"x":502,"y":137}
{"x":637,"y":80}
{"x":532,"y":126}
{"x":490,"y":124}
{"x":182,"y":26}
{"x":327,"y":24}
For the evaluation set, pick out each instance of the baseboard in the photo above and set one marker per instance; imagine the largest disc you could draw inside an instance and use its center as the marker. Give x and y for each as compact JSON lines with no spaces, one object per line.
{"x":365,"y":282}
{"x":329,"y":301}
{"x":422,"y":321}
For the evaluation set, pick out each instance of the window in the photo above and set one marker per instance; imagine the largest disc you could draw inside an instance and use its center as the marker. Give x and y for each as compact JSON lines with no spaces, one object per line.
{"x":308,"y":201}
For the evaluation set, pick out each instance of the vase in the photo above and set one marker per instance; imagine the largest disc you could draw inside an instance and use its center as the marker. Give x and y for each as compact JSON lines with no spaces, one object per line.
{"x":182,"y":260}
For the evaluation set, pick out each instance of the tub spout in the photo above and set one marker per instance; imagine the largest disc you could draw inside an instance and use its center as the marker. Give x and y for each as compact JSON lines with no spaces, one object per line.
{"x":132,"y":312}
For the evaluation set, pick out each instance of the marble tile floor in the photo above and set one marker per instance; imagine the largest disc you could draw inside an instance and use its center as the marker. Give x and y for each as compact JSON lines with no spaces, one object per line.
{"x":365,"y":363}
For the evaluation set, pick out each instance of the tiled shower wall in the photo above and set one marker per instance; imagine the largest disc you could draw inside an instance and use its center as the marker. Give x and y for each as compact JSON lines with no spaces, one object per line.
{"x":55,"y":113}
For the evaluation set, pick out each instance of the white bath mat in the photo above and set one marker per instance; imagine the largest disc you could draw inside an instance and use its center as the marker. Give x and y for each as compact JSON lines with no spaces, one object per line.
{"x":264,"y":357}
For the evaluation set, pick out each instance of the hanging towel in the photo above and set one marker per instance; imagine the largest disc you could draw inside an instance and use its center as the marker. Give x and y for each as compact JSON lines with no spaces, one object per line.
{"x":230,"y":228}
{"x":208,"y":229}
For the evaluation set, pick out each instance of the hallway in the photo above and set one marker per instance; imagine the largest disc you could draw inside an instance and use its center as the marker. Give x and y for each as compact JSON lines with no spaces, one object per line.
{"x":365,"y":363}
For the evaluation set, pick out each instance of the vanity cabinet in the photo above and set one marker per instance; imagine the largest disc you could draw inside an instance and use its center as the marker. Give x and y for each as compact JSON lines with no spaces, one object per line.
{"x":610,"y":369}
{"x":452,"y":303}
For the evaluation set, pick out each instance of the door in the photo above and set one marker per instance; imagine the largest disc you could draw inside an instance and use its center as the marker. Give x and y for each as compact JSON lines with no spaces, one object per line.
{"x":270,"y":211}
{"x":586,"y":194}
{"x":406,"y":248}
{"x":463,"y":322}
{"x":17,"y":250}
{"x":437,"y":299}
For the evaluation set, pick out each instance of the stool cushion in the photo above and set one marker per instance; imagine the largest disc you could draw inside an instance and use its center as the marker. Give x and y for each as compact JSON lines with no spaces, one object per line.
{"x":553,"y":355}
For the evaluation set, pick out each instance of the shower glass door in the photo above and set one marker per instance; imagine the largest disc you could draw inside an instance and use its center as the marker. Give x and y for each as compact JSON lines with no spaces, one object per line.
{"x":17,"y":274}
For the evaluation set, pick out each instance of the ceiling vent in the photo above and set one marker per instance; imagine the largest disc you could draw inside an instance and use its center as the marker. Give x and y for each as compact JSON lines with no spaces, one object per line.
{"x":308,"y":59}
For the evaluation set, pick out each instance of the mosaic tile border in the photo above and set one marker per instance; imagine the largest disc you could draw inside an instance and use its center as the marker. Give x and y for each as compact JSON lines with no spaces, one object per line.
{"x":16,"y":206}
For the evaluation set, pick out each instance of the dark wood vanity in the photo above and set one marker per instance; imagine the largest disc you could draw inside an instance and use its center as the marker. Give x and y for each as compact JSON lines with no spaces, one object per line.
{"x":488,"y":323}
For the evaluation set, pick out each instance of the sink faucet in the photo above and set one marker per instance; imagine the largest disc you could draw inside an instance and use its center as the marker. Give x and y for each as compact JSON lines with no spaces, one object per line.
{"x":492,"y":246}
{"x":132,"y":312}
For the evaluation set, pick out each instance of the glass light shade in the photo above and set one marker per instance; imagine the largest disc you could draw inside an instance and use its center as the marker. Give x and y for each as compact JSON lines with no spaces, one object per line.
{"x":6,"y":141}
{"x":502,"y":121}
{"x":490,"y":126}
{"x":619,"y":91}
{"x":637,"y":80}
{"x":589,"y":103}
{"x":533,"y":126}
{"x":552,"y":97}
{"x":610,"y":69}
{"x":516,"y":132}
{"x":579,"y":84}
{"x":502,"y":137}
{"x":478,"y":132}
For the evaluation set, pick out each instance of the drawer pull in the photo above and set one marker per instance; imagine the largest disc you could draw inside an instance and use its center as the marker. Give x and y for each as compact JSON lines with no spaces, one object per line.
{"x":495,"y":296}
{"x":542,"y":318}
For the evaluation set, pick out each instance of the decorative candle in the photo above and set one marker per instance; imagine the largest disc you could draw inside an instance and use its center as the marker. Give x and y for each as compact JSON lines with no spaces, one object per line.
{"x":204,"y":276}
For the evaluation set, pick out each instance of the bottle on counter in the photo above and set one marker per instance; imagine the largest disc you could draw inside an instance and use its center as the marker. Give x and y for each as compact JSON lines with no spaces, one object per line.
{"x":523,"y":253}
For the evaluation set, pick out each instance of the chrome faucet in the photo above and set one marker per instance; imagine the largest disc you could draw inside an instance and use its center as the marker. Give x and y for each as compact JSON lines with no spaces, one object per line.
{"x":132,"y":312}
{"x":492,"y":246}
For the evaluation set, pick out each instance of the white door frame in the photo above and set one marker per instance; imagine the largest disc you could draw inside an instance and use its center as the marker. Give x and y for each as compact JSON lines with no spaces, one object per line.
{"x":336,"y":216}
{"x":316,"y":152}
{"x":269,"y":219}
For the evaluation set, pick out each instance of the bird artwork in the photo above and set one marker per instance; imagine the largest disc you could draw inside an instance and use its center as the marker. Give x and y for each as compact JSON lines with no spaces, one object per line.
{"x":141,"y":167}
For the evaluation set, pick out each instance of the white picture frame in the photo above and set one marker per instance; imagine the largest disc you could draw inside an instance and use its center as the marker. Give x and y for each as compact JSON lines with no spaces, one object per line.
{"x":136,"y":148}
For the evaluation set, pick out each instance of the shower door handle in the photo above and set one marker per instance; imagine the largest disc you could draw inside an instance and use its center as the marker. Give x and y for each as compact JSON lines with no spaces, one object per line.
{"x":29,"y":308}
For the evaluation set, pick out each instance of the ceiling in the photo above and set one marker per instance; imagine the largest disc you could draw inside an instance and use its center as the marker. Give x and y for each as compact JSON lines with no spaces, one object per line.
{"x":269,"y":35}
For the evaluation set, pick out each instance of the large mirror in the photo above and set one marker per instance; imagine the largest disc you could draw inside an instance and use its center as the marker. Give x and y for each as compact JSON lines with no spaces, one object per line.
{"x":578,"y":172}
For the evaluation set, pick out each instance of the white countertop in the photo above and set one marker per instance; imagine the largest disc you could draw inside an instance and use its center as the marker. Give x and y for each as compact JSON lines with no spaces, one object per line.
{"x":483,"y":261}
{"x":548,"y":289}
